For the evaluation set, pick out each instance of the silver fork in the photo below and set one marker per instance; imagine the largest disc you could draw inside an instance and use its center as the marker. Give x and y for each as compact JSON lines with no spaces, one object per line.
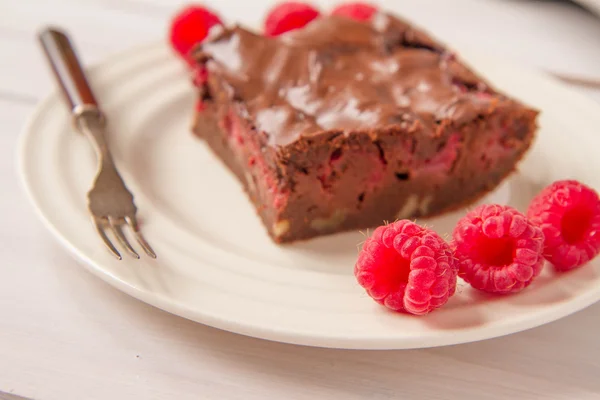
{"x":109,"y":201}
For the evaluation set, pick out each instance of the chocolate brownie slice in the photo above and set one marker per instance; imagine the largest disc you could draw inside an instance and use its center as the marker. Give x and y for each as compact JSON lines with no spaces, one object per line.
{"x":343,"y":125}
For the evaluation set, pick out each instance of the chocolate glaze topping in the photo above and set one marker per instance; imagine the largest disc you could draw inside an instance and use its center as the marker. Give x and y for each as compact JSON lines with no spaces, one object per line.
{"x":338,"y":74}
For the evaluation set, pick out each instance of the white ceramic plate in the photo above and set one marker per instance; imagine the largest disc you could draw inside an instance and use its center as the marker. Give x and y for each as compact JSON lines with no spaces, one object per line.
{"x":216,"y":264}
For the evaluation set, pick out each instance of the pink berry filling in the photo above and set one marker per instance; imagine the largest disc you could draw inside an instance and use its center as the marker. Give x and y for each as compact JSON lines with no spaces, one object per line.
{"x":443,"y":161}
{"x":262,"y":177}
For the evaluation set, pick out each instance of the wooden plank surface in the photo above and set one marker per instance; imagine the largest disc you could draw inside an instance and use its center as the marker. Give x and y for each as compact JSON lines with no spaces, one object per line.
{"x":66,"y":335}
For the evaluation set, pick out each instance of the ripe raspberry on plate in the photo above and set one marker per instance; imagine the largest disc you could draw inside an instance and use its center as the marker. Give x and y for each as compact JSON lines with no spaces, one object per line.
{"x":568,"y":212}
{"x":288,"y":16}
{"x":190,"y":26}
{"x":358,"y":11}
{"x":498,"y":249}
{"x":407,"y":268}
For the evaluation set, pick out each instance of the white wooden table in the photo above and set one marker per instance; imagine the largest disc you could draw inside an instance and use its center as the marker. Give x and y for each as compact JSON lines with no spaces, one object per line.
{"x":66,"y":335}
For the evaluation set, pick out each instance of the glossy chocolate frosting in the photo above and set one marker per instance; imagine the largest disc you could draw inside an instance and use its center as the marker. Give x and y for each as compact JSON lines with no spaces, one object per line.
{"x":339,"y":74}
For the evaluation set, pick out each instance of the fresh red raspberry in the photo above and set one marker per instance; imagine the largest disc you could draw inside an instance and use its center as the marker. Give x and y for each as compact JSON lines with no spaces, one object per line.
{"x":498,"y":249}
{"x":190,"y":26}
{"x":406,"y":267}
{"x":357,"y":11}
{"x":288,"y":16}
{"x":568,"y":212}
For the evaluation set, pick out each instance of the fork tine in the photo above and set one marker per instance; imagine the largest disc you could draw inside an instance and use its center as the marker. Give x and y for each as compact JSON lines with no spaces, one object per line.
{"x":106,"y":240}
{"x":116,"y":228}
{"x":132,"y":222}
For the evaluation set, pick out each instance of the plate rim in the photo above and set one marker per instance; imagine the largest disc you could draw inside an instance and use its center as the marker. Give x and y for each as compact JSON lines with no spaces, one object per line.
{"x":158,"y":301}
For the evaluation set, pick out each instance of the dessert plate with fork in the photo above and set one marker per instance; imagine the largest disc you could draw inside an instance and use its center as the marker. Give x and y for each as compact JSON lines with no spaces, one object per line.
{"x":214,"y":262}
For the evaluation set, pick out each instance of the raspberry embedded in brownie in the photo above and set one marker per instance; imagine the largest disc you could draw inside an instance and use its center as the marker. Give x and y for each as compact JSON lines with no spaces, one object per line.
{"x":344,"y":124}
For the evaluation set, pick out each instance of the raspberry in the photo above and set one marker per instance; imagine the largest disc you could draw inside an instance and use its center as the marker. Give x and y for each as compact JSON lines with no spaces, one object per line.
{"x":498,"y":249}
{"x":190,"y":26}
{"x":357,"y":11}
{"x":289,"y":16}
{"x":407,"y":268}
{"x":568,"y":213}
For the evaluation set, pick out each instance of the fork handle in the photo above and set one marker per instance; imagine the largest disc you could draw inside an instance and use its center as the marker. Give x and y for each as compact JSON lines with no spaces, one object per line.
{"x":68,"y":72}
